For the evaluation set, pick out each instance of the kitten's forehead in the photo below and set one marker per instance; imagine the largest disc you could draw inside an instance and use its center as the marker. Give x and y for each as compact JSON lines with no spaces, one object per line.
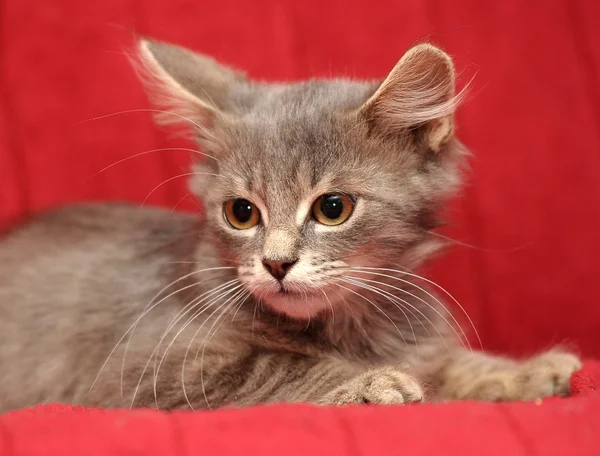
{"x":295,"y":135}
{"x":311,"y":97}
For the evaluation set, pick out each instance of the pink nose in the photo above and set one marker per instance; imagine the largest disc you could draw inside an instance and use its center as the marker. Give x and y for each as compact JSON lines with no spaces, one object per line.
{"x":278,"y":268}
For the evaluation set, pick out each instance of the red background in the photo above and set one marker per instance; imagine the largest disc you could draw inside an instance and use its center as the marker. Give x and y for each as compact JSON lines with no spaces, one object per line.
{"x":531,"y":207}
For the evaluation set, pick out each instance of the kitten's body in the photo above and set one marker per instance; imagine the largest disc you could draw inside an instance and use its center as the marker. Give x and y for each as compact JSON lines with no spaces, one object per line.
{"x":65,"y":337}
{"x":347,"y":326}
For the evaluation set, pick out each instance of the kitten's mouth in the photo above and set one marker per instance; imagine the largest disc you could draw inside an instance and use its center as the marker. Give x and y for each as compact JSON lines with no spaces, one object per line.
{"x":301,"y":304}
{"x":286,"y":291}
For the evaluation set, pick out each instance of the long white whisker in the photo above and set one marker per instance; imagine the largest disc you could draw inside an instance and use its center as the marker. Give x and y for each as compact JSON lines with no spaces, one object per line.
{"x":162,"y":149}
{"x":242,"y":303}
{"x":330,"y":306}
{"x":377,"y":307}
{"x":192,"y":341}
{"x":464,"y":336}
{"x":424,"y":279}
{"x":128,"y":111}
{"x":193,"y":304}
{"x":233,"y":301}
{"x":354,"y":281}
{"x":354,"y":316}
{"x":151,"y":306}
{"x":396,"y":300}
{"x":223,"y":291}
{"x":150,"y":359}
{"x":242,"y":299}
{"x":144,"y":312}
{"x":187,"y":195}
{"x":172,"y":179}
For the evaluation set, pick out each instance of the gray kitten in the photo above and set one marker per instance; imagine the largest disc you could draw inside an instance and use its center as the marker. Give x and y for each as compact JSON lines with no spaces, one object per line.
{"x":297,"y":284}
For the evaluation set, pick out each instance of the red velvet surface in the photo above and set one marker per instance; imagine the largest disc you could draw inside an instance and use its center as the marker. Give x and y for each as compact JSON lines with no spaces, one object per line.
{"x":529,"y":213}
{"x":531,"y":208}
{"x":550,"y":427}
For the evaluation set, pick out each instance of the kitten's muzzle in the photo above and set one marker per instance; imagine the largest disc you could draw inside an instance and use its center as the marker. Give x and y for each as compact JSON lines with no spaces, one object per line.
{"x":278,"y":268}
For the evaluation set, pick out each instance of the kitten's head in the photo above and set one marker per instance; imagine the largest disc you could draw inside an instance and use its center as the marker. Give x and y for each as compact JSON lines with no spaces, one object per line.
{"x":303,"y":183}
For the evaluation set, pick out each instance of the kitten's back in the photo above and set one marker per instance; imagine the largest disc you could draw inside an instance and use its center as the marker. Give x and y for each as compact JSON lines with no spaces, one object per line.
{"x":71,"y":282}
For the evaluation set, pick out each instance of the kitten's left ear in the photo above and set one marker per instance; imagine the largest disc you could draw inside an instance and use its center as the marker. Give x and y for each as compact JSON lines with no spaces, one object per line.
{"x":191,"y":86}
{"x":418,"y":95}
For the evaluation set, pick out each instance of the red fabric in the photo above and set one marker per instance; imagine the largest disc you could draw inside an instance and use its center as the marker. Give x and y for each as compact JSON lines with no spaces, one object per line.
{"x":531,"y":209}
{"x":552,"y":427}
{"x":587,"y":380}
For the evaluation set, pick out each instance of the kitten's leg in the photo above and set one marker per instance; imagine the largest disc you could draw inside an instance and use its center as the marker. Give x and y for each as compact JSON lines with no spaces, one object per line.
{"x":276,"y":377}
{"x":385,"y":385}
{"x":488,"y":378}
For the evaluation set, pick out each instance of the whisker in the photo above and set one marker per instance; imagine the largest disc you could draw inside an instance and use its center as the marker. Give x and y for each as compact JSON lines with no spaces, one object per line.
{"x":479,"y":249}
{"x":157,"y":304}
{"x":150,"y":307}
{"x":220,"y":292}
{"x":251,"y":289}
{"x":194,"y":303}
{"x":163,"y":149}
{"x":377,"y":307}
{"x":187,"y":195}
{"x":239,"y":296}
{"x":399,"y":307}
{"x":254,"y":317}
{"x":369,"y":271}
{"x":229,"y":300}
{"x":128,"y":111}
{"x":172,"y":179}
{"x":395,"y":299}
{"x":204,"y":257}
{"x":354,"y":316}
{"x":144,"y":312}
{"x":152,"y":354}
{"x":241,"y":299}
{"x":413,"y":274}
{"x":330,"y":306}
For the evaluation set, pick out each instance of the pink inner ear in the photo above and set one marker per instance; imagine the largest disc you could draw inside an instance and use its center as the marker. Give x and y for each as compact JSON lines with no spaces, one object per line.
{"x":189,"y":88}
{"x":418,"y":91}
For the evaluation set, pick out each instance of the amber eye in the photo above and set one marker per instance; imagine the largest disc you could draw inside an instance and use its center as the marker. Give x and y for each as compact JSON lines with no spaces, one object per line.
{"x":332,"y":209}
{"x":241,"y":214}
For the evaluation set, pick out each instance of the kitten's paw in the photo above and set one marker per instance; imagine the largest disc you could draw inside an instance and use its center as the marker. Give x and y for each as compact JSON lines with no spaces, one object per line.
{"x":386,"y":385}
{"x":545,"y":375}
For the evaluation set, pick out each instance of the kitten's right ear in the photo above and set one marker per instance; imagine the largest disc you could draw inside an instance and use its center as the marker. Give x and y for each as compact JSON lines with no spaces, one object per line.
{"x":418,"y":95}
{"x":189,"y":86}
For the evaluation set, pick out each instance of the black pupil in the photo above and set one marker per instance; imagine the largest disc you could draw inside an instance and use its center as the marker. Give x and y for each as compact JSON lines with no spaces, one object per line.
{"x":332,"y":206}
{"x":242,"y":210}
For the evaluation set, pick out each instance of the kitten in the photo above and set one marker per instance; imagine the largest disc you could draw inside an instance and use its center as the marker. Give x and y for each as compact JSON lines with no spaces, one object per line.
{"x":296,"y":284}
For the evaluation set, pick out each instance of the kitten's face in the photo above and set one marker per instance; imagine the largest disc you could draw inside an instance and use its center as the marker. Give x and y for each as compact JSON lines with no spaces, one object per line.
{"x":309,"y":184}
{"x":305,"y":195}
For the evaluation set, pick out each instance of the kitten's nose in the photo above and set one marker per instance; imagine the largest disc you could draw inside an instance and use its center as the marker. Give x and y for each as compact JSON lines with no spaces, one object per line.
{"x":277,"y":268}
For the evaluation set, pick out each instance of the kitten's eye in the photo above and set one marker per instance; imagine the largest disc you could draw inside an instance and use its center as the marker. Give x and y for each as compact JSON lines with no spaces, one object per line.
{"x":241,"y":214}
{"x":332,"y":209}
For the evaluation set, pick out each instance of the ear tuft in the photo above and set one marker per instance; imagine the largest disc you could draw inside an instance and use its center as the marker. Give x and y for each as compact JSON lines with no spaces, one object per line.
{"x":419,"y":93}
{"x":189,"y":87}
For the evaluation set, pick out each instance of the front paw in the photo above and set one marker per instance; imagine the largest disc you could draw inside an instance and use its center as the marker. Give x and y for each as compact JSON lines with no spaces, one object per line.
{"x":545,"y":375}
{"x":386,"y":385}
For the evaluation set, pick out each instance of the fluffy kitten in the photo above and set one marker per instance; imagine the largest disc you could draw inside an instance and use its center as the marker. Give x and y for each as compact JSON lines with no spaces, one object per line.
{"x":295,"y":286}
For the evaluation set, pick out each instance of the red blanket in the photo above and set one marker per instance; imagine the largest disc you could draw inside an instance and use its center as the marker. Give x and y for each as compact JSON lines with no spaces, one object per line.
{"x":529,"y":217}
{"x":550,"y":427}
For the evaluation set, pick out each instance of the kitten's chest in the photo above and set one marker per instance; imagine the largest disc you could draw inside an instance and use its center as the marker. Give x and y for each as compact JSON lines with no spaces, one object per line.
{"x":366,"y":345}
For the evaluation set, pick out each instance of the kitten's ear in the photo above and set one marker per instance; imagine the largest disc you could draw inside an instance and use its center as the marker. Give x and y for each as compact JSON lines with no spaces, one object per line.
{"x":418,"y":94}
{"x":190,"y":86}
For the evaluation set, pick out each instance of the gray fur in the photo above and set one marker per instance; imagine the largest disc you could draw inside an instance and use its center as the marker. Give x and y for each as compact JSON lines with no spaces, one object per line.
{"x":97,"y":302}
